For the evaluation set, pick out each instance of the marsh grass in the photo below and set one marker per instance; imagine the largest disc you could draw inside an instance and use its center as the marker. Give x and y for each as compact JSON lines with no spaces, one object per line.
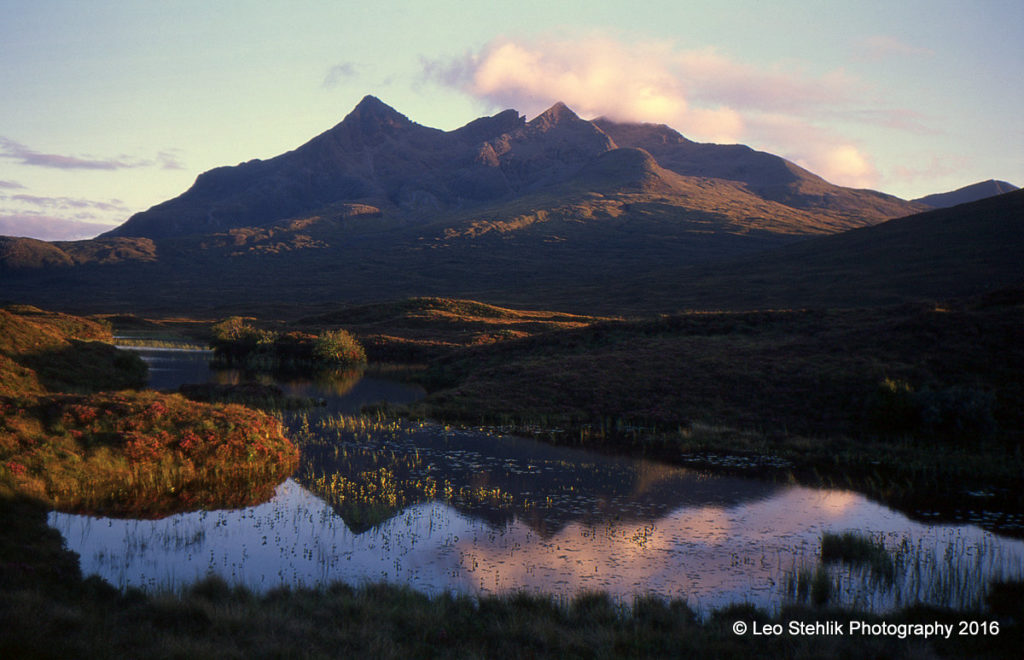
{"x":214,"y":619}
{"x":855,"y":549}
{"x":160,"y":341}
{"x":363,"y":467}
{"x":861,"y":571}
{"x":909,"y":404}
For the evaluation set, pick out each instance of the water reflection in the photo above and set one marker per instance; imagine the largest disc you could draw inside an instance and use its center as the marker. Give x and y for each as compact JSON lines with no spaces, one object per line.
{"x":370,"y":471}
{"x":172,"y":367}
{"x":508,"y":514}
{"x":712,"y":554}
{"x":342,"y":391}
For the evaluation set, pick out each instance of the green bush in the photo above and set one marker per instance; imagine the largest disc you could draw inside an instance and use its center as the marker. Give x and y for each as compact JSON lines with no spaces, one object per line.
{"x":338,"y":347}
{"x":237,"y":330}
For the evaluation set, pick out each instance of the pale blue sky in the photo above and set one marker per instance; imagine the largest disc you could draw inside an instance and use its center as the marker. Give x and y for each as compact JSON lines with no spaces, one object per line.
{"x":111,"y":107}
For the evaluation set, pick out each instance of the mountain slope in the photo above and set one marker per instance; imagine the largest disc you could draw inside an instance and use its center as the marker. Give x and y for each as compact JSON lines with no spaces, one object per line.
{"x":766,"y":175}
{"x":971,"y":193}
{"x":937,"y":255}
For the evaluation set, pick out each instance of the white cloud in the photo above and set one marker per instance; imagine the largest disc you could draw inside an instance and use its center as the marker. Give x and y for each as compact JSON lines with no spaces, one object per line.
{"x":845,"y":165}
{"x":703,"y":93}
{"x":597,"y":76}
{"x":820,"y":150}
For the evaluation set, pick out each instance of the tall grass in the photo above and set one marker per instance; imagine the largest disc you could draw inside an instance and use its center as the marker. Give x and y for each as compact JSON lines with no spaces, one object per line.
{"x":859,"y":570}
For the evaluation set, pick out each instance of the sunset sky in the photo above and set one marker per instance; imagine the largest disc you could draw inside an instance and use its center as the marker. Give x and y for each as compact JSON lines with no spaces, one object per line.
{"x":111,"y":107}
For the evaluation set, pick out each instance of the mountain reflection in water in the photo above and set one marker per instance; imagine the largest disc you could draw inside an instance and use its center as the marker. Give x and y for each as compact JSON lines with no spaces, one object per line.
{"x":510,"y":514}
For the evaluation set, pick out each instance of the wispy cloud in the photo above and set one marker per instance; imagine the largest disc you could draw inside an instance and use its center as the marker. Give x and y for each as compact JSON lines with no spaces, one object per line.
{"x":10,"y":184}
{"x":49,"y":228}
{"x":114,"y":205}
{"x":883,"y":46}
{"x":27,"y":156}
{"x":168,"y":160}
{"x":705,"y":94}
{"x":339,"y":73}
{"x":931,"y":167}
{"x":58,"y":217}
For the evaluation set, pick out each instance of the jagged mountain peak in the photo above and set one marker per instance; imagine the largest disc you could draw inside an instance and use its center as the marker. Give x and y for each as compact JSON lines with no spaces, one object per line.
{"x":371,"y":115}
{"x":371,"y":105}
{"x":556,"y":114}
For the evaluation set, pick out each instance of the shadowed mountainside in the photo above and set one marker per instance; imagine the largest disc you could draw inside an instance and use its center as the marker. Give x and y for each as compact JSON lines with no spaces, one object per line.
{"x":955,"y":252}
{"x":971,"y":193}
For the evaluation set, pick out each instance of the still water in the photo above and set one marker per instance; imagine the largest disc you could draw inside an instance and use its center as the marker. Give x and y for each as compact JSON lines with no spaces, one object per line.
{"x":473,"y":511}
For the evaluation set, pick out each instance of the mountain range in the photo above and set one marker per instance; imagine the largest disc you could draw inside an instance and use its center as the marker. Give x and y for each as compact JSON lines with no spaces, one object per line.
{"x":557,"y":209}
{"x":376,"y":157}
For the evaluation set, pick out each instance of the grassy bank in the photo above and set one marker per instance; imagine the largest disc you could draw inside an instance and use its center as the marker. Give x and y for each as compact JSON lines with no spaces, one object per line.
{"x":140,"y":453}
{"x":68,"y":444}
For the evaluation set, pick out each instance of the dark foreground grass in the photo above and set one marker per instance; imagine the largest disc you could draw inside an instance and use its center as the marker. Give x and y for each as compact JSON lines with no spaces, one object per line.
{"x":211,"y":619}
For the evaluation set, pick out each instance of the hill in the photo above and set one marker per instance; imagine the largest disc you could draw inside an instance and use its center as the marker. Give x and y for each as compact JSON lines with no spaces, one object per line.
{"x":971,"y":193}
{"x":961,"y":251}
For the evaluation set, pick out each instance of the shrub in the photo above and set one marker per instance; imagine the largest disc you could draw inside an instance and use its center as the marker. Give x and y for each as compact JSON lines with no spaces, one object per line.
{"x":238,"y":330}
{"x":957,"y":410}
{"x":338,"y":347}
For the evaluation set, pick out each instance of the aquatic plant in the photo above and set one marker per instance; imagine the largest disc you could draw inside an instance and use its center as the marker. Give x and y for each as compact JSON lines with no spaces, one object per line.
{"x":857,"y":549}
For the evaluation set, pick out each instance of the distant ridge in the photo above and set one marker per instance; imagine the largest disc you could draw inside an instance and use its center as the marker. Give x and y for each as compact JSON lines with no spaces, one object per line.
{"x":970,"y":193}
{"x":961,"y":251}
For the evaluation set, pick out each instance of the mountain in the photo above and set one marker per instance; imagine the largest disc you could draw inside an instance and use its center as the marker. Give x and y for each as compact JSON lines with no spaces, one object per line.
{"x":556,"y":209}
{"x":970,"y":193}
{"x":378,"y":157}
